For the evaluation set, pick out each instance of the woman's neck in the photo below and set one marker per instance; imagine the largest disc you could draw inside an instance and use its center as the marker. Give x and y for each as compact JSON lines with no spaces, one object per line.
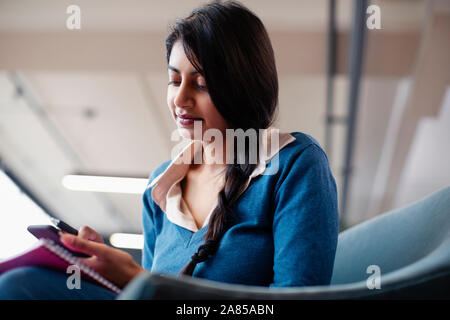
{"x":213,"y":158}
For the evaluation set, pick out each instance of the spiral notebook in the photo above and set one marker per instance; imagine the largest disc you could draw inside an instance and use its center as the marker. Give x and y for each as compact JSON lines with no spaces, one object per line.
{"x":46,"y":253}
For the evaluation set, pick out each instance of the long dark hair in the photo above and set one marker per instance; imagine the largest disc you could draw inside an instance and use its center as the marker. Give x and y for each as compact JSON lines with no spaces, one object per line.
{"x":231,"y":49}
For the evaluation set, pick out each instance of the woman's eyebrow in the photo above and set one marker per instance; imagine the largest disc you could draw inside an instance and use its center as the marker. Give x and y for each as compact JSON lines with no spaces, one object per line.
{"x":178,"y":71}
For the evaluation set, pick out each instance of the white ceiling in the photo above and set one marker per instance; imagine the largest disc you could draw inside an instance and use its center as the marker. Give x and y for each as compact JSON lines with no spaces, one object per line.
{"x":144,"y":15}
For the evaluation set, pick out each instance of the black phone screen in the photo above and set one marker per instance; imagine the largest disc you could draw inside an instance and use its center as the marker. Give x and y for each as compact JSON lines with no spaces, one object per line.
{"x":50,"y":232}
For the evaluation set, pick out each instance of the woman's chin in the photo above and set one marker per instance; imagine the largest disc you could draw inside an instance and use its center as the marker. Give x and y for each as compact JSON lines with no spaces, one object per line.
{"x":187,"y":133}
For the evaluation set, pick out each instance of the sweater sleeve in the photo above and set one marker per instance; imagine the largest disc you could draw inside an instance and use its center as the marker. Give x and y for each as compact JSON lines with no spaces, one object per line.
{"x":149,"y":231}
{"x":148,"y":221}
{"x":305,"y":224}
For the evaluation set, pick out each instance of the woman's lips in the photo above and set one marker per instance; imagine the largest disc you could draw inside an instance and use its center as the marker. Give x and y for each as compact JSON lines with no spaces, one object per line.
{"x":187,"y":120}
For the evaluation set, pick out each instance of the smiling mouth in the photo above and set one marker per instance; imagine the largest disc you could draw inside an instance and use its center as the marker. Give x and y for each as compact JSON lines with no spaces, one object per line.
{"x":187,"y":120}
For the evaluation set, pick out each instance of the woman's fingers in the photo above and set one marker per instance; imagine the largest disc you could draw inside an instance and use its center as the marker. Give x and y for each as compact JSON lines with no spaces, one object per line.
{"x":115,"y":265}
{"x":89,"y":247}
{"x":90,"y":234}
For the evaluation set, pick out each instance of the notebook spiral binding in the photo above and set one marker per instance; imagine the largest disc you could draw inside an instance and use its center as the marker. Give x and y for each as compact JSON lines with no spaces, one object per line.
{"x":67,"y":256}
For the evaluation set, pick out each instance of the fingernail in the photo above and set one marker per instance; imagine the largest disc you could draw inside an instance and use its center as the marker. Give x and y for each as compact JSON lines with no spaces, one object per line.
{"x":67,"y":238}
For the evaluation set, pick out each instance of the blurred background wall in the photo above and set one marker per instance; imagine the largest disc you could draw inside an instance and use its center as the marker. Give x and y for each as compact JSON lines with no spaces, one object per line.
{"x":92,"y":101}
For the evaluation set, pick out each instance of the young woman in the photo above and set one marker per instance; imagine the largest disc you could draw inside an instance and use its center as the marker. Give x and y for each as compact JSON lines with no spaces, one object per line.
{"x":270,"y":222}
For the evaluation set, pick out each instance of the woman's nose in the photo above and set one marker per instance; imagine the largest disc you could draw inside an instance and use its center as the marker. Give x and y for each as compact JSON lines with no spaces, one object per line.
{"x":183,"y":97}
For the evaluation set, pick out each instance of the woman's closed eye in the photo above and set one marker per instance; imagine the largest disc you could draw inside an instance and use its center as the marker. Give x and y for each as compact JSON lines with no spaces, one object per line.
{"x":200,"y":86}
{"x":177,"y":83}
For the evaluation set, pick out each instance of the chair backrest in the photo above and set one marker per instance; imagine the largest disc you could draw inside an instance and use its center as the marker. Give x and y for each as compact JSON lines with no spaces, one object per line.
{"x":394,"y":240}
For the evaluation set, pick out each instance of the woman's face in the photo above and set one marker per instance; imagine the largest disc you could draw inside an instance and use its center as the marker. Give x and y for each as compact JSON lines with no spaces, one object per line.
{"x":188,"y":98}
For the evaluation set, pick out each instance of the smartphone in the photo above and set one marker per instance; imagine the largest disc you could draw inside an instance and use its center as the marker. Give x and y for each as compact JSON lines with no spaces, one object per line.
{"x":50,"y":232}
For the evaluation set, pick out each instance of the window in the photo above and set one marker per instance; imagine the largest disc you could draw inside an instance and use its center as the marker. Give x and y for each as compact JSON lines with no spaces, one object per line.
{"x":17,"y":212}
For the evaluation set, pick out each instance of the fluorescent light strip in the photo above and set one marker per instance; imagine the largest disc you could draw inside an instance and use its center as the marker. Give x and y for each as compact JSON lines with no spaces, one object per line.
{"x":127,"y":240}
{"x":104,"y":184}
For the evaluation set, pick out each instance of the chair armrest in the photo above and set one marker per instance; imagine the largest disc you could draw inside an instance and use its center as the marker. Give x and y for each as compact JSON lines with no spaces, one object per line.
{"x":151,"y":286}
{"x":165,"y":287}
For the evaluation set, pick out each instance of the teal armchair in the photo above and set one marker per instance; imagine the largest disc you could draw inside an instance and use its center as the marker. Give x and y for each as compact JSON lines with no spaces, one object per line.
{"x":401,"y":254}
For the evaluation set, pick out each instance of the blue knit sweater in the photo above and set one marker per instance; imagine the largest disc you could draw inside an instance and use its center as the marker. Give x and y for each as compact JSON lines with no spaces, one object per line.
{"x":285,"y":232}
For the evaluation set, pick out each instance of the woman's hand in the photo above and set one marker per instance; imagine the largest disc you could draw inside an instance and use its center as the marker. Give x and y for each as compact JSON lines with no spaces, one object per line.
{"x":115,"y":265}
{"x":90,"y":234}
